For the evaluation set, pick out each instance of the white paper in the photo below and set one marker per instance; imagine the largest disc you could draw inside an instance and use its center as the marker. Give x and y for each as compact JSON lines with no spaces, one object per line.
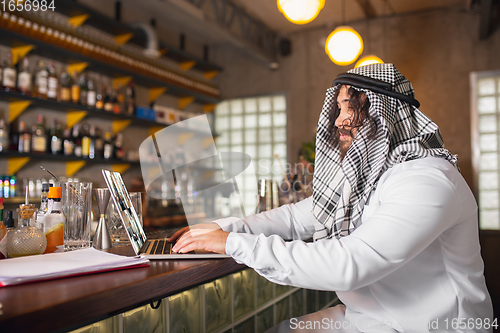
{"x":54,"y":265}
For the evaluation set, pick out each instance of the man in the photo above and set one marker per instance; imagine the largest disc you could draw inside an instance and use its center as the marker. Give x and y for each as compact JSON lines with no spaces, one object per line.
{"x":394,"y":223}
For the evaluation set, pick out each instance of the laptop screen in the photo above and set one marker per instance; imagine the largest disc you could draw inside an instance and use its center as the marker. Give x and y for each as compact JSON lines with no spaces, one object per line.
{"x":125,"y":208}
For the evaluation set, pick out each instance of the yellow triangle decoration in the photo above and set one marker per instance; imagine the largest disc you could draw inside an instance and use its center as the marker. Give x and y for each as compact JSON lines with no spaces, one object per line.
{"x":122,"y":39}
{"x":121,"y":168}
{"x":184,"y":137}
{"x":185,"y":101}
{"x":78,"y":20}
{"x":73,"y":167}
{"x":78,"y":67}
{"x":187,"y":65}
{"x":16,"y":108}
{"x":16,"y":163}
{"x":120,"y":125}
{"x":210,"y":75}
{"x":19,"y":52}
{"x":73,"y":117}
{"x":208,"y":107}
{"x":154,"y":93}
{"x":122,"y":81}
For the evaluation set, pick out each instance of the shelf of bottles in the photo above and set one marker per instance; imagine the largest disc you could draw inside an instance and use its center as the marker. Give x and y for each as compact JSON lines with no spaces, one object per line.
{"x":106,"y":55}
{"x":242,"y":302}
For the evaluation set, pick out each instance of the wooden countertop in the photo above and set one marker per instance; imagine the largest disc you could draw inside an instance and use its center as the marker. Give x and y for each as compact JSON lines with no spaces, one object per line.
{"x":66,"y":304}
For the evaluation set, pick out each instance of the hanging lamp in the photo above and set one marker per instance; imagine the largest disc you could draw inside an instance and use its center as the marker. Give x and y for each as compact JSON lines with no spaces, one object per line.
{"x":344,"y":45}
{"x":300,"y":11}
{"x":368,"y":60}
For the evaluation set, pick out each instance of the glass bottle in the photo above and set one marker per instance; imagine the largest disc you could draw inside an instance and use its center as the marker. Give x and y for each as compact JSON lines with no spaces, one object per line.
{"x":4,"y":136}
{"x":108,"y":103}
{"x":41,"y":78}
{"x":75,"y":88}
{"x":52,"y":82}
{"x":9,"y":73}
{"x":13,"y":186}
{"x":77,"y":141}
{"x":108,"y":146}
{"x":83,"y":90}
{"x":55,"y":138}
{"x":68,"y":142}
{"x":119,"y":101}
{"x":85,"y":140}
{"x":119,"y":153}
{"x":3,"y":229}
{"x":39,"y":137}
{"x":24,"y":145}
{"x":91,"y":94}
{"x":65,"y":93}
{"x":13,"y":136}
{"x":92,"y":144}
{"x":130,"y":100}
{"x":53,"y":222}
{"x":26,"y":240}
{"x":99,"y":144}
{"x":6,"y":187}
{"x":24,"y":78}
{"x":40,"y":215}
{"x":99,"y":98}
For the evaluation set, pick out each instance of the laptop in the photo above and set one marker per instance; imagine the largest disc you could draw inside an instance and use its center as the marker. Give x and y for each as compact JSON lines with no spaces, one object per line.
{"x":150,"y":248}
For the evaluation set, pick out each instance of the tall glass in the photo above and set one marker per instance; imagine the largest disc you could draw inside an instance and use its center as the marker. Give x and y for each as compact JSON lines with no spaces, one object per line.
{"x":76,"y":198}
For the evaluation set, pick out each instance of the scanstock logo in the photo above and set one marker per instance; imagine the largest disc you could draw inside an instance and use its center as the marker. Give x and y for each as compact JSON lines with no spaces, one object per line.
{"x":181,"y":162}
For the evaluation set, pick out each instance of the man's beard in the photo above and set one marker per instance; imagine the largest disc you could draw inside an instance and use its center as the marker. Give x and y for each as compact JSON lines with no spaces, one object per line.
{"x":344,"y":144}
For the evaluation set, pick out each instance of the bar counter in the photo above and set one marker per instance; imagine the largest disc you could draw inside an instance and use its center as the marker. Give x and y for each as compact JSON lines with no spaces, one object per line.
{"x":69,"y":303}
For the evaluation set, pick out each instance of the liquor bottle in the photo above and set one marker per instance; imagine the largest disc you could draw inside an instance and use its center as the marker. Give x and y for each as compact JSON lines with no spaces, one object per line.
{"x":83,"y":90}
{"x":53,"y":222}
{"x":25,"y":239}
{"x":9,"y":73}
{"x":40,"y":215}
{"x":68,"y":142}
{"x":65,"y":93}
{"x":52,"y":82}
{"x":41,"y":78}
{"x":75,"y":88}
{"x":85,"y":140}
{"x":91,"y":94}
{"x":55,"y":142}
{"x":119,"y":153}
{"x":99,"y":144}
{"x":108,"y":103}
{"x":24,"y":145}
{"x":77,"y":141}
{"x":92,"y":149}
{"x":39,"y":137}
{"x":24,"y":78}
{"x":4,"y":136}
{"x":13,"y":186}
{"x":13,"y":136}
{"x":99,"y":103}
{"x":130,"y":100}
{"x":108,"y":146}
{"x":118,"y":102}
{"x":6,"y":187}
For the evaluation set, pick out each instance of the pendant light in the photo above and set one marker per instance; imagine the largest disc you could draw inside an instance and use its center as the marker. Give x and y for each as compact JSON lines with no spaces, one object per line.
{"x":344,"y":44}
{"x":368,"y":60}
{"x":300,"y":11}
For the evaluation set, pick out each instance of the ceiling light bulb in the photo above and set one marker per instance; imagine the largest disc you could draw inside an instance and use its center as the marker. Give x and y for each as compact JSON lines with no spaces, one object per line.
{"x":344,"y":45}
{"x":368,"y":60}
{"x":300,"y":11}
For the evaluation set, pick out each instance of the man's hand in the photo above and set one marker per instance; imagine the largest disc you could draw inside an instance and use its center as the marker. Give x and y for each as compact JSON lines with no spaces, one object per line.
{"x":208,"y":237}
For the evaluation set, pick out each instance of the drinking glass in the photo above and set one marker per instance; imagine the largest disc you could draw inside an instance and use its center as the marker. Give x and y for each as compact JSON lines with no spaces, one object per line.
{"x":76,"y":198}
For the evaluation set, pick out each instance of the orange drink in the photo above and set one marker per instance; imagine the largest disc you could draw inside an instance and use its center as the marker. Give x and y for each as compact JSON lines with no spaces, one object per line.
{"x":55,"y":238}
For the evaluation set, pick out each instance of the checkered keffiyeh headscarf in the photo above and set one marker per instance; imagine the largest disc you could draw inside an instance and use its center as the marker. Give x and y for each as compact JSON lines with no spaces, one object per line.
{"x":341,"y":188}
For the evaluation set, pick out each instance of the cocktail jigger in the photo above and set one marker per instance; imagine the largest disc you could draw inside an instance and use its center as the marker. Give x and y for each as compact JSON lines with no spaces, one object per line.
{"x":102,"y":238}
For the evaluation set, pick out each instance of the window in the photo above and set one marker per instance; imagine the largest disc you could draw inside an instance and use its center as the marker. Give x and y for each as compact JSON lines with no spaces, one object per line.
{"x":257,"y":127}
{"x":485,"y":146}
